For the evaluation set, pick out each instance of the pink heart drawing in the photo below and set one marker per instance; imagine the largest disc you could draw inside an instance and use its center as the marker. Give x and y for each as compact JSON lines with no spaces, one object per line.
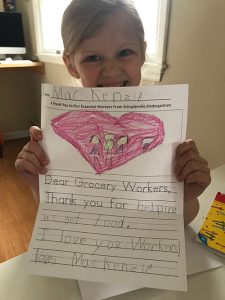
{"x":106,"y":141}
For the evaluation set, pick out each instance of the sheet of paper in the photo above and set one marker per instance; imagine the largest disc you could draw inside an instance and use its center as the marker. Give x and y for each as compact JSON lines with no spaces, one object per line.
{"x":111,"y":209}
{"x":198,"y":260}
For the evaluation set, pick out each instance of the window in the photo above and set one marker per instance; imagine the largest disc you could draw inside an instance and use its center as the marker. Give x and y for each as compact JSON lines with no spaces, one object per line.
{"x":154,"y":14}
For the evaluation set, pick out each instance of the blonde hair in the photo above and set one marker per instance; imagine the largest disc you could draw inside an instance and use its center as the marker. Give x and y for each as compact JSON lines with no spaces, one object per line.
{"x":82,"y":18}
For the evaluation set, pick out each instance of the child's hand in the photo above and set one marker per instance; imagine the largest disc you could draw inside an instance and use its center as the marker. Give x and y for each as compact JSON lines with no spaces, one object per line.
{"x":191,"y":168}
{"x":32,"y":160}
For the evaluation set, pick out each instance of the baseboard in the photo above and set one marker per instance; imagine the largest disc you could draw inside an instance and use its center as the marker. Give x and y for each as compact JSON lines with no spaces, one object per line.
{"x":15,"y":134}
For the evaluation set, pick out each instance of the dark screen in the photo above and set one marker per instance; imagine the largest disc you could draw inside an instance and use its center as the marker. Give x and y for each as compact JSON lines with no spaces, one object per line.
{"x":11,"y":30}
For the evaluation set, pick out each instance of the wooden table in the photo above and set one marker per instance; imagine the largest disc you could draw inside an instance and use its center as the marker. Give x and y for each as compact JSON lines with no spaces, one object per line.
{"x":37,"y":66}
{"x":34,"y":66}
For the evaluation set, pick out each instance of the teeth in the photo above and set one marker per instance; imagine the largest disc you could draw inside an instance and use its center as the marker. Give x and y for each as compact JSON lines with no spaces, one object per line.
{"x":120,"y":84}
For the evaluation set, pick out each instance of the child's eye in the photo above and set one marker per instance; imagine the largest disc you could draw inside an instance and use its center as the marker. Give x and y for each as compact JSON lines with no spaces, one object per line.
{"x":92,"y":58}
{"x":125,"y":52}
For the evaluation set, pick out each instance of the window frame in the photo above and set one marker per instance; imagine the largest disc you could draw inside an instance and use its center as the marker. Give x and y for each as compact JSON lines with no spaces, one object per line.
{"x":152,"y":69}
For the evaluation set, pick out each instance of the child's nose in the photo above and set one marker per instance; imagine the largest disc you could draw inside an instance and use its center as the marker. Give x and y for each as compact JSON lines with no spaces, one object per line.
{"x":111,"y":68}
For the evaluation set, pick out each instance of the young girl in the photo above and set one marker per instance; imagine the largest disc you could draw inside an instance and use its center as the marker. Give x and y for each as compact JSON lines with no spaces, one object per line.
{"x":105,"y":47}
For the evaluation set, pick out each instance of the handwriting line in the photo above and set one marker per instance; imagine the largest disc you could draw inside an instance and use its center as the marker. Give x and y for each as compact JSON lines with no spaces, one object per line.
{"x":104,"y":234}
{"x":105,"y":197}
{"x":108,"y":215}
{"x":103,"y":255}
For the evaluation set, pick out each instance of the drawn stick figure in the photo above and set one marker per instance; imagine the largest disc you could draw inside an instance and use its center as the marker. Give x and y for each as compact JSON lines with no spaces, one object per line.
{"x":108,"y":147}
{"x":94,"y":151}
{"x":122,"y":141}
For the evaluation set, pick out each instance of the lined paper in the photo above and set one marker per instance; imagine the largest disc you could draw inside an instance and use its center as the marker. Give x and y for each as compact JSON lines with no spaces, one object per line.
{"x":121,"y":225}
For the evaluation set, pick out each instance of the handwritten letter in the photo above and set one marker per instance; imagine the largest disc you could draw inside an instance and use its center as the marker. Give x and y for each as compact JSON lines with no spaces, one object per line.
{"x":111,"y":209}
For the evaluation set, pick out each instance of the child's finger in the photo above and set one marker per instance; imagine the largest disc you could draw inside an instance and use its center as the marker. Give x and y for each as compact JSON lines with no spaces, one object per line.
{"x":31,"y":157}
{"x":202,"y":178}
{"x":188,"y":145}
{"x":192,"y":167}
{"x":35,"y":133}
{"x":36,"y":149}
{"x":23,"y":165}
{"x":188,"y":156}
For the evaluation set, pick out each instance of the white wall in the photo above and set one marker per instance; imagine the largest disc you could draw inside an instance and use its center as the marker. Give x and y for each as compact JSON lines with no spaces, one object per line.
{"x":196,"y":55}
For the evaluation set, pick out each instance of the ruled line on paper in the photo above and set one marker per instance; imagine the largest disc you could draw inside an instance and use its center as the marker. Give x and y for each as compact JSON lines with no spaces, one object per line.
{"x":108,"y":262}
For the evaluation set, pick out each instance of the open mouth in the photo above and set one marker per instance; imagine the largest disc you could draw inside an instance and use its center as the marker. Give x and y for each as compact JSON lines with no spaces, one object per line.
{"x":117,"y":84}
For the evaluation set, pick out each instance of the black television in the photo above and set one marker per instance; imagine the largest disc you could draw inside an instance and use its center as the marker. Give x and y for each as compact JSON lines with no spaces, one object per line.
{"x":11,"y":34}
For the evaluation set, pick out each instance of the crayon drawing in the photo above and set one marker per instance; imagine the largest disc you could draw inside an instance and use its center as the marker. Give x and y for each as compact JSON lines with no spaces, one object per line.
{"x":106,"y":141}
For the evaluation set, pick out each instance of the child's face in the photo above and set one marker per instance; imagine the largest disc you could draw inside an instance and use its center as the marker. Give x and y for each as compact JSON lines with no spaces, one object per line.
{"x":113,"y":56}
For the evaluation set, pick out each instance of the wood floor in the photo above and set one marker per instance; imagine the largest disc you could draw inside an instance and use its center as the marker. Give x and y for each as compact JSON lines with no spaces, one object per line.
{"x":17,"y":207}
